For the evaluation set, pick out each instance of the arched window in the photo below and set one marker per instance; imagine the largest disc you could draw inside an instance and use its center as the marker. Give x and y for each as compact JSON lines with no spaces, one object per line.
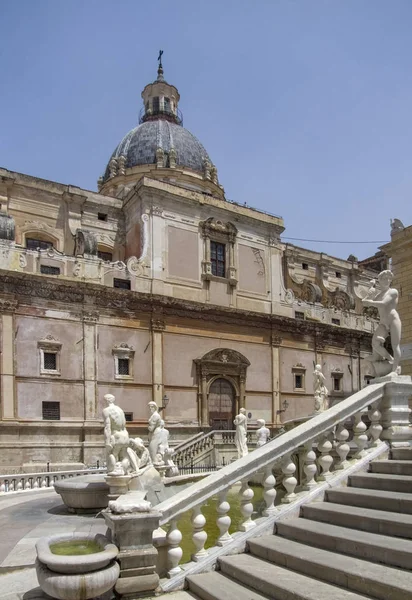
{"x":38,"y":240}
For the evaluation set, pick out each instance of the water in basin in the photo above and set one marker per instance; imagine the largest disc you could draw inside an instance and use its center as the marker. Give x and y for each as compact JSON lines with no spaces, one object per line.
{"x":75,"y":547}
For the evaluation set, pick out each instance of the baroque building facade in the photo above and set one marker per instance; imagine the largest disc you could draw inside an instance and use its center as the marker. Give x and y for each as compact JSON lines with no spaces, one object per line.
{"x":154,"y":286}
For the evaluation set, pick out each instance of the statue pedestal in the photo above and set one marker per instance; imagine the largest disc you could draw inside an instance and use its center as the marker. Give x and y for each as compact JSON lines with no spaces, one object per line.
{"x":133,"y":535}
{"x":118,"y":484}
{"x":395,"y":409}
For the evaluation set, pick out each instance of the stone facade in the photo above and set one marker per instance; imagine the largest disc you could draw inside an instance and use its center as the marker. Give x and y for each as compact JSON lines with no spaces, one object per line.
{"x":400,"y":251}
{"x":158,"y":285}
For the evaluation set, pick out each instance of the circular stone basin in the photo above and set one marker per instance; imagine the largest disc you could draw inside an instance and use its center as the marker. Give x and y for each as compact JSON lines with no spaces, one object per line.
{"x":75,"y":563}
{"x":79,"y":576}
{"x":85,"y":493}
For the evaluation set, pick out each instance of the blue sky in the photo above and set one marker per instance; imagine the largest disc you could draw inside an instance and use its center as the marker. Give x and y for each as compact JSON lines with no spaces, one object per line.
{"x":304,"y":106}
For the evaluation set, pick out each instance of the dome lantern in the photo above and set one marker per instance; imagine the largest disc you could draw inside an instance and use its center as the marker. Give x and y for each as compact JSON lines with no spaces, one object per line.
{"x":160,"y":100}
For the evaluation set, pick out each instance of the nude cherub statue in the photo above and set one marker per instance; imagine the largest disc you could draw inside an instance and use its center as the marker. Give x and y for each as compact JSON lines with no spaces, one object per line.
{"x":385,"y":299}
{"x":240,"y":423}
{"x":116,"y":438}
{"x":320,"y":391}
{"x":262,"y":434}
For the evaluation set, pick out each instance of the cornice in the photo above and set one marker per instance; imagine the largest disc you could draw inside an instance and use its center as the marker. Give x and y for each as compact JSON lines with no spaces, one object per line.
{"x":28,"y":288}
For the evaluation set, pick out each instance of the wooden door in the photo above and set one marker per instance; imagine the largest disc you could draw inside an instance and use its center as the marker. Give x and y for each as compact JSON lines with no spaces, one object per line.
{"x":221,"y":402}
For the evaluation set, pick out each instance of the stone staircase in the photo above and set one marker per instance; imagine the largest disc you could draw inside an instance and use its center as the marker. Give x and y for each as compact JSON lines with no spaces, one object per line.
{"x":357,"y":544}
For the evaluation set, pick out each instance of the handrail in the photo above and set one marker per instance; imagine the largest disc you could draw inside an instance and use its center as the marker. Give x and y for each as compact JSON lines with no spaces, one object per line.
{"x":189,"y":442}
{"x":266,"y":455}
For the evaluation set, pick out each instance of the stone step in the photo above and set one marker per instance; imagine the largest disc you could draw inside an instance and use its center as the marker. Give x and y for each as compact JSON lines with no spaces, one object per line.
{"x":378,"y":581}
{"x":393,"y":467}
{"x":356,"y":517}
{"x":217,"y":586}
{"x":383,"y":549}
{"x":382,"y":481}
{"x":278,"y":583}
{"x":401,"y":453}
{"x":375,"y":499}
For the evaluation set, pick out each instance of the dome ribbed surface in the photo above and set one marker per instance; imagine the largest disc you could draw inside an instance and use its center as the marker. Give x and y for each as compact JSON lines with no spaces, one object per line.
{"x":140,"y":144}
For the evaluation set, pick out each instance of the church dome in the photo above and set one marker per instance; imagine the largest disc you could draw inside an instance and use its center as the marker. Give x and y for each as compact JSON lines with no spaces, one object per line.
{"x":160,"y":139}
{"x":140,"y":146}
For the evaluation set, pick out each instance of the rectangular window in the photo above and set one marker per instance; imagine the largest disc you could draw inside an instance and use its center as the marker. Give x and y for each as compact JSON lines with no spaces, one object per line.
{"x":299,"y":315}
{"x":218,"y":259}
{"x":337,"y":384}
{"x":102,"y":216}
{"x":106,"y":256}
{"x":305,"y":266}
{"x":48,"y":270}
{"x":156,"y":105}
{"x":122,"y":284}
{"x":335,"y":321}
{"x":50,"y":361}
{"x":33,"y":244}
{"x":123,"y":366}
{"x":338,"y":275}
{"x":128,"y":416}
{"x":298,"y":381}
{"x":51,"y":411}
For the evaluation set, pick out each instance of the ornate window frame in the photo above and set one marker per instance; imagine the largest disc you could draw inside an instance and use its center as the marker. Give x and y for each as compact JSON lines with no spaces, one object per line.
{"x":49,"y":345}
{"x":215,"y":230}
{"x":125,"y":352}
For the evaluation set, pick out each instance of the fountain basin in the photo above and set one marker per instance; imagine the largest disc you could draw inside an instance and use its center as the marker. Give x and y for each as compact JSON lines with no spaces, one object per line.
{"x":84,"y":494}
{"x":76,"y":577}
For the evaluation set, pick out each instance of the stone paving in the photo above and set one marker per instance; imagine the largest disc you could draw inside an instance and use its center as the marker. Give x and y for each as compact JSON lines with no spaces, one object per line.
{"x":24,"y":518}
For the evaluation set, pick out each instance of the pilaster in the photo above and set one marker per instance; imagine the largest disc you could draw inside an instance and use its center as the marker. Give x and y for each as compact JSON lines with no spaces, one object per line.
{"x":7,"y":377}
{"x":158,"y":326}
{"x":90,"y":320}
{"x":275,"y":342}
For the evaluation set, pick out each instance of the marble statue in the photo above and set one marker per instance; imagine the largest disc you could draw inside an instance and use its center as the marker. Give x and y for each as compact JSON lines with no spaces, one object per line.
{"x":164,"y":452}
{"x":240,"y":423}
{"x":262,"y":434}
{"x":385,"y":299}
{"x":320,"y":390}
{"x":139,"y":456}
{"x":124,"y":455}
{"x":154,"y":426}
{"x":116,"y":438}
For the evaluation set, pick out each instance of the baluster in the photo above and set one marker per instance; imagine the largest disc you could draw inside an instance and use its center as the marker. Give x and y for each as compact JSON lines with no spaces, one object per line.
{"x":12,"y":485}
{"x":223,"y":521}
{"x":375,"y":428}
{"x":19,"y":485}
{"x":175,"y":552}
{"x":342,"y":447}
{"x":28,"y":484}
{"x":269,"y":495}
{"x":246,"y":506}
{"x":43,"y":482}
{"x":325,"y":459}
{"x":36,"y":483}
{"x":359,"y":436}
{"x":289,"y":480}
{"x":199,"y":534}
{"x":309,"y":466}
{"x":3,"y":486}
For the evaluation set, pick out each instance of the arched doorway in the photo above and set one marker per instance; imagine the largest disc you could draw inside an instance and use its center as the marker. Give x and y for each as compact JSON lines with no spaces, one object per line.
{"x":221,"y":404}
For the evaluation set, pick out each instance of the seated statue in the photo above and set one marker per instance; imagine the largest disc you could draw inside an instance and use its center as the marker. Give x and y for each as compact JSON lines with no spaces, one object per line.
{"x":262,"y":434}
{"x":139,"y":456}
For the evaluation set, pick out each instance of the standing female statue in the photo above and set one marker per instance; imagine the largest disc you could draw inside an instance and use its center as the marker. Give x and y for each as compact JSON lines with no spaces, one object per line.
{"x":240,"y":423}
